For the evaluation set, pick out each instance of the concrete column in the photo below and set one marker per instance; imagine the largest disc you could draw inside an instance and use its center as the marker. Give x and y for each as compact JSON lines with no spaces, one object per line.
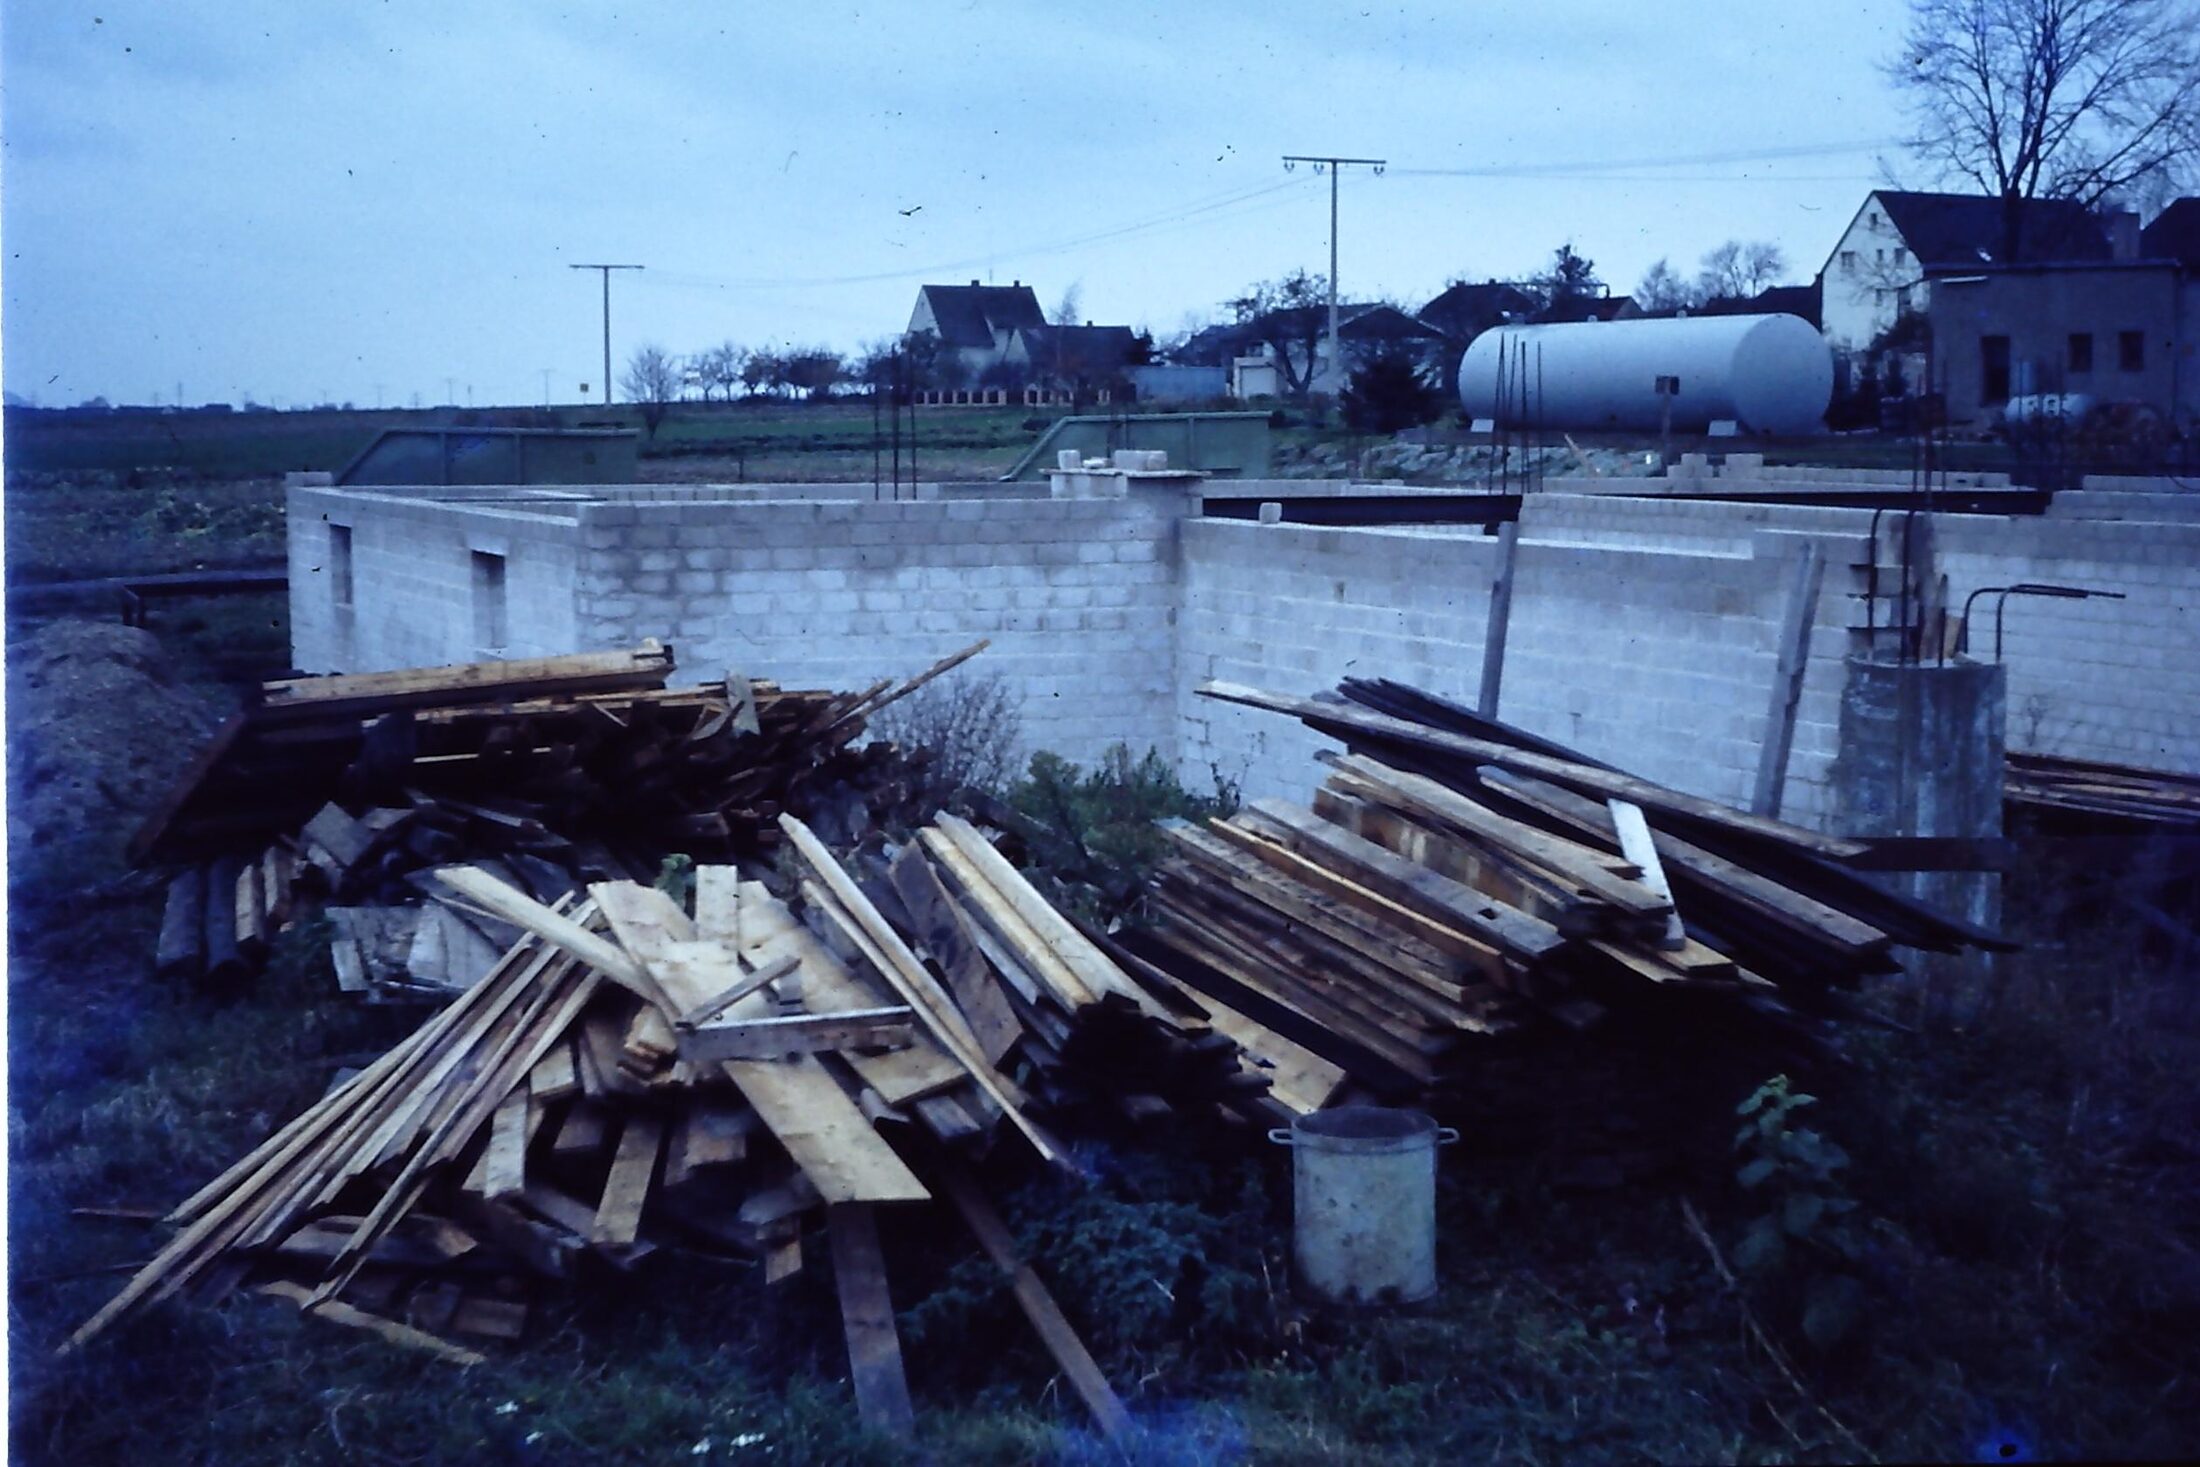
{"x":1921,"y":755}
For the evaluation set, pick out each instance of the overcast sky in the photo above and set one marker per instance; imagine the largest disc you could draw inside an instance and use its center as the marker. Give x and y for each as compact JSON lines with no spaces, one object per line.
{"x":359,"y":201}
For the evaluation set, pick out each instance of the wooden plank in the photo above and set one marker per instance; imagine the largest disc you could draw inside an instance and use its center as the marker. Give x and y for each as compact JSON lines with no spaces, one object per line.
{"x":645,"y":666}
{"x":1297,"y":1077}
{"x":618,"y":1220}
{"x":1090,"y":965}
{"x":555,"y":1076}
{"x":916,"y":986}
{"x":1440,"y":911}
{"x":181,"y":950}
{"x":784,"y":1034}
{"x":225,"y":965}
{"x":336,"y":1311}
{"x":1797,"y":620}
{"x":505,"y":1159}
{"x":1344,"y":720}
{"x":1572,"y":864}
{"x":748,"y":983}
{"x":867,"y":1317}
{"x":1063,"y":986}
{"x":585,"y":1131}
{"x":798,"y":1100}
{"x":249,"y":913}
{"x":525,"y":912}
{"x":944,"y":934}
{"x":1054,"y":1331}
{"x":1636,"y":845}
{"x":1500,"y":617}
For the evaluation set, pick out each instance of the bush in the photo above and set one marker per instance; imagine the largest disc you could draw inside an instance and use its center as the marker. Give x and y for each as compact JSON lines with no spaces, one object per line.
{"x":1095,"y":834}
{"x":969,"y":726}
{"x":1388,"y":392}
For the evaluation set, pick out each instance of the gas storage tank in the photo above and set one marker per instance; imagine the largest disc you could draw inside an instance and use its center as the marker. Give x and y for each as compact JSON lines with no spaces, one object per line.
{"x":1771,"y":374}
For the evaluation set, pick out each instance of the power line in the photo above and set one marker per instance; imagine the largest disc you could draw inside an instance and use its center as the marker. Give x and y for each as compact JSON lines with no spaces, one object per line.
{"x":1687,"y":160}
{"x":1223,"y":205}
{"x":606,"y":271}
{"x":1334,"y":167}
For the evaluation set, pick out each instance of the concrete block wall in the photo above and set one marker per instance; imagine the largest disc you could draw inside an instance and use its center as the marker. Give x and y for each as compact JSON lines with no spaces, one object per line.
{"x":1078,"y":597}
{"x":414,"y":599}
{"x":1656,"y":659}
{"x":2110,"y":680}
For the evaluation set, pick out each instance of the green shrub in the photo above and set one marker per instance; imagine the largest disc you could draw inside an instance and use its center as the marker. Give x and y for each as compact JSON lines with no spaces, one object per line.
{"x":1096,"y":834}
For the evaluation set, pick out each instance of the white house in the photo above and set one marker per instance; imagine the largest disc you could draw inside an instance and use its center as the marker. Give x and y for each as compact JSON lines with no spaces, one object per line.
{"x":1884,"y":260}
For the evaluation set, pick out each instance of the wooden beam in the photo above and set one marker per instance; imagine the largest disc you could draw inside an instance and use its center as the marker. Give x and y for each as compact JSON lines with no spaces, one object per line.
{"x":1343,"y":720}
{"x":782,"y":1035}
{"x":1061,"y":1341}
{"x":1500,"y":617}
{"x":1637,"y":845}
{"x":522,"y":910}
{"x":916,"y":986}
{"x":1787,"y":681}
{"x":867,"y":1316}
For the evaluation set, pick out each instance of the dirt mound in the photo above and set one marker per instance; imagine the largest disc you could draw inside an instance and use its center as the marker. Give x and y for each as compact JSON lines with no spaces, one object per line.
{"x":98,"y":729}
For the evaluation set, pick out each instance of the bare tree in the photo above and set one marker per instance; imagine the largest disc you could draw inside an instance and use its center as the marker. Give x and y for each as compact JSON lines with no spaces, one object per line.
{"x":1663,"y":289}
{"x":761,"y":370}
{"x":719,"y":368}
{"x":1737,"y":271}
{"x":2068,"y":99}
{"x":971,"y":724}
{"x":1071,"y":305}
{"x":652,"y":382}
{"x":1287,"y":316}
{"x":1571,"y":276}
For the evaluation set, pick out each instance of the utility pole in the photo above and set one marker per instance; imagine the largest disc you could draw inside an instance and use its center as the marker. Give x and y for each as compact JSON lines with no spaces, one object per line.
{"x":546,"y":371}
{"x":1334,"y":166}
{"x":606,"y":271}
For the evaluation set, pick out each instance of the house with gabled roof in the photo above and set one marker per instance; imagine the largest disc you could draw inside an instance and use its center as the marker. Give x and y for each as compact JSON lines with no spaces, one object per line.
{"x":1883,"y":263}
{"x":977,"y":322}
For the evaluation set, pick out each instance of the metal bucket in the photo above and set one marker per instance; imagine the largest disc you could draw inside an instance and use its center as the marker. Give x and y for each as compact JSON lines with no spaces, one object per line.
{"x":1364,"y":1202}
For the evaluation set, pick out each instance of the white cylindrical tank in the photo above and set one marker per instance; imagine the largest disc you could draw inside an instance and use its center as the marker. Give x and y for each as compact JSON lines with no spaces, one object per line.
{"x":1771,"y":374}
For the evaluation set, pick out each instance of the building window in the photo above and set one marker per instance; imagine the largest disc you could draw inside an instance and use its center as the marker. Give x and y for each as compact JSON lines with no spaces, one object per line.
{"x":339,"y":566}
{"x":1874,"y":217}
{"x":1879,"y":257}
{"x":2081,"y":351}
{"x":1848,"y":259}
{"x":1993,"y":370}
{"x":1901,"y":256}
{"x":489,"y":607}
{"x":2131,"y":350}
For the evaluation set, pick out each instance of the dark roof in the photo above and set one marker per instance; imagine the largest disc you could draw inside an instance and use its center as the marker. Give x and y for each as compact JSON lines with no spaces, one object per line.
{"x":1079,"y":348}
{"x":1584,"y":308}
{"x":1465,"y":310}
{"x":1805,"y":301}
{"x":1962,"y":231}
{"x":968,"y":315}
{"x":1383,"y":323}
{"x":2174,"y":234}
{"x":1211,"y":346}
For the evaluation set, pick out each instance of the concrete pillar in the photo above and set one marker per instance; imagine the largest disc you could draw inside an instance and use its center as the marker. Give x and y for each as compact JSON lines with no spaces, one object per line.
{"x":1921,"y":755}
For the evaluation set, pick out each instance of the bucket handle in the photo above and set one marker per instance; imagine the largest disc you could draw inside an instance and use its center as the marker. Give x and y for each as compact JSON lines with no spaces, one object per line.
{"x":1445,"y":1136}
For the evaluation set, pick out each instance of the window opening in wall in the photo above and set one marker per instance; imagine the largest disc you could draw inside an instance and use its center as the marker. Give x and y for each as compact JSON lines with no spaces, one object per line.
{"x":489,"y":604}
{"x":1993,"y":364}
{"x":2131,"y":350}
{"x":339,"y":566}
{"x":2081,"y":351}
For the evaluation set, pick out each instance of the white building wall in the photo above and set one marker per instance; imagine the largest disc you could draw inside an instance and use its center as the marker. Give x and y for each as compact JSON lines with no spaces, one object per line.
{"x":1871,"y":270}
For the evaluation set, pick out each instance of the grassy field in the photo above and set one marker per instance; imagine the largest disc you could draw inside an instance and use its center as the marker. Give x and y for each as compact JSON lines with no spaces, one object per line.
{"x":2025,"y":1172}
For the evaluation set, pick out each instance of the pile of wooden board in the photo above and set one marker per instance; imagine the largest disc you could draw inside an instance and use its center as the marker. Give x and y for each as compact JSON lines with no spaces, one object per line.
{"x":1459,"y":886}
{"x":551,"y":773}
{"x":2150,"y":796}
{"x":632,"y":1073}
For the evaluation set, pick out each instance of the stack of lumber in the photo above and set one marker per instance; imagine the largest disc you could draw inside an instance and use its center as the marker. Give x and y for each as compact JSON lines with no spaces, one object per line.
{"x":632,"y":1075}
{"x":551,"y":773}
{"x":1459,"y":890}
{"x":2151,"y":796}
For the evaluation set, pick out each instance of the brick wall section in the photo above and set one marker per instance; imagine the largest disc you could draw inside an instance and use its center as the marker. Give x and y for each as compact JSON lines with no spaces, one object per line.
{"x":1658,"y":660}
{"x":1078,"y":597}
{"x":412,"y":577}
{"x":2110,"y":680}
